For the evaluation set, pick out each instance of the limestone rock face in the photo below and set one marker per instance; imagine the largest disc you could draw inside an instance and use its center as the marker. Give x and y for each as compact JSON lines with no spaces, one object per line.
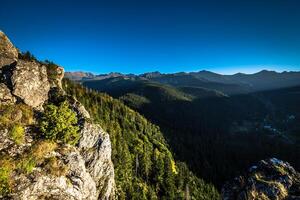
{"x":5,"y":141}
{"x":80,"y":109}
{"x":56,"y":76}
{"x":77,"y":184}
{"x":89,"y":171}
{"x":26,"y":80}
{"x":95,"y":147}
{"x":5,"y":96}
{"x":270,"y":179}
{"x":60,"y":75}
{"x":8,"y":53}
{"x":30,"y":83}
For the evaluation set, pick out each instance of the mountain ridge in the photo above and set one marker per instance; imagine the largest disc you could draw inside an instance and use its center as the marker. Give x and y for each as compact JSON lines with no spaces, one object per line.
{"x":230,"y":84}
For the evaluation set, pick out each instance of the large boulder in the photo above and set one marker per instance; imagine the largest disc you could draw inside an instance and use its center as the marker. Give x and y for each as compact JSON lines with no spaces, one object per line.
{"x":30,"y":83}
{"x":270,"y":179}
{"x":20,"y":79}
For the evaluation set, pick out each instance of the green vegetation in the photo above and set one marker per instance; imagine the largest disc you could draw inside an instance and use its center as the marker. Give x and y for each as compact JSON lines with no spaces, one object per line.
{"x":35,"y":156}
{"x":25,"y":163}
{"x":59,"y":123}
{"x":27,"y":56}
{"x":6,"y":166}
{"x":151,"y":90}
{"x":137,"y":100}
{"x":52,"y":71}
{"x":144,"y":166}
{"x":14,"y":118}
{"x":198,"y":123}
{"x":17,"y":134}
{"x":15,"y":114}
{"x":54,"y":167}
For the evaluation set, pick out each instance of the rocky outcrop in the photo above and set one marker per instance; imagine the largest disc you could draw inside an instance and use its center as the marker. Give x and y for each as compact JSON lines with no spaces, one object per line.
{"x":76,"y":184}
{"x":87,"y":173}
{"x":95,"y":147}
{"x":88,"y":170}
{"x":59,"y":76}
{"x":30,"y":83}
{"x":270,"y":179}
{"x":25,"y":80}
{"x":8,"y":53}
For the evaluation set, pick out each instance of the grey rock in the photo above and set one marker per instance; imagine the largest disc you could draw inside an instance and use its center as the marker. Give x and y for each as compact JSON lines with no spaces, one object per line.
{"x":30,"y":83}
{"x":5,"y":95}
{"x":56,"y":76}
{"x":5,"y":141}
{"x":95,"y":147}
{"x":59,"y":76}
{"x":270,"y":179}
{"x":8,"y":53}
{"x":9,"y":146}
{"x":77,"y":184}
{"x":90,"y":175}
{"x":80,"y":109}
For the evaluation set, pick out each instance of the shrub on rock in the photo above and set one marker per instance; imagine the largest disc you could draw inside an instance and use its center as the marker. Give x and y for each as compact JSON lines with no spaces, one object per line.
{"x":59,"y":123}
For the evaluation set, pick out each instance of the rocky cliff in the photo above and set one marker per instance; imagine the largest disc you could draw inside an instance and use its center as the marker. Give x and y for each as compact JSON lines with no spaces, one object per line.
{"x":270,"y":179}
{"x":32,"y":166}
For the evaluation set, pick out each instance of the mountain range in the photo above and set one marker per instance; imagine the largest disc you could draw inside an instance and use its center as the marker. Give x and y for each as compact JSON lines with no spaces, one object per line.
{"x":217,"y":124}
{"x":228,"y":84}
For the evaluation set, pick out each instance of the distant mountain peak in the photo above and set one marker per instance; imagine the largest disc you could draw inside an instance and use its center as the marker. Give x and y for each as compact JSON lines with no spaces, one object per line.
{"x":206,"y":71}
{"x":239,"y":74}
{"x":151,"y":74}
{"x":266,"y":72}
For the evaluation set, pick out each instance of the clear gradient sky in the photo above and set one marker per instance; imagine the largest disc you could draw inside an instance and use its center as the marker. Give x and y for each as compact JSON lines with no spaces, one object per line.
{"x":225,"y":36}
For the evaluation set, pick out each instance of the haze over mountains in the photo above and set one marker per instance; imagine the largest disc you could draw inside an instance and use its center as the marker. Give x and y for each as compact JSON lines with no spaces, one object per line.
{"x":229,"y":84}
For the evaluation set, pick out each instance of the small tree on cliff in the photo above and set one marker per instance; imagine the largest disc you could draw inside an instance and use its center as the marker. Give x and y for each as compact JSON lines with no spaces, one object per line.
{"x":59,"y":123}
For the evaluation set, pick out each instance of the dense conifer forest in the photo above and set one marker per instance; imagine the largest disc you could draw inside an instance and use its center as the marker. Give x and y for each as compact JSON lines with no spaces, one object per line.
{"x":216,"y":134}
{"x":144,"y":166}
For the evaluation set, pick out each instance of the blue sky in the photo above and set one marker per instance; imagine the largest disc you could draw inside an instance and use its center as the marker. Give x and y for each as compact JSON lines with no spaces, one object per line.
{"x":129,"y":36}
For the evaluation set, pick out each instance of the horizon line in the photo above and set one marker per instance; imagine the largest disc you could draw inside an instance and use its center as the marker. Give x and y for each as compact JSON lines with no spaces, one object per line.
{"x":178,"y":72}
